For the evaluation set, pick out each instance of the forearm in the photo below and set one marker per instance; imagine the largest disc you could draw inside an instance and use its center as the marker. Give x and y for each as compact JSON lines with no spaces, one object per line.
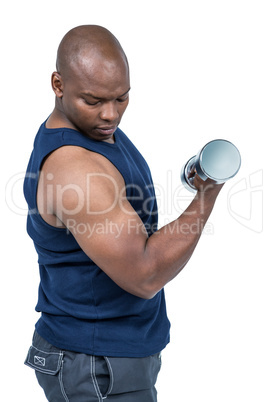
{"x":169,"y":249}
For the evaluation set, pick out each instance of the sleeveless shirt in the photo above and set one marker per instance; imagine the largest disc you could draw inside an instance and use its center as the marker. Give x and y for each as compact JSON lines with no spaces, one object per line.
{"x":82,"y":309}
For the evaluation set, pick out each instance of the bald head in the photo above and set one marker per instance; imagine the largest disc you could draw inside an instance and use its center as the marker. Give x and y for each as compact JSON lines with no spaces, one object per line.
{"x":84,"y":45}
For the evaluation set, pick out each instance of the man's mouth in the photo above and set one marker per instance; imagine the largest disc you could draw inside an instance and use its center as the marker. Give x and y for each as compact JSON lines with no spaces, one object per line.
{"x":106,"y":130}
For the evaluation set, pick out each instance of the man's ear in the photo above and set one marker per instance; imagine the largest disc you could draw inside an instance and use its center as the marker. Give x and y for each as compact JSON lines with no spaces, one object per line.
{"x":57,"y":84}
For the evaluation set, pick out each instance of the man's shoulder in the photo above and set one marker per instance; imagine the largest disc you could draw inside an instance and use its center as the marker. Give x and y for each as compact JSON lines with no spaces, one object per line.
{"x":75,"y":163}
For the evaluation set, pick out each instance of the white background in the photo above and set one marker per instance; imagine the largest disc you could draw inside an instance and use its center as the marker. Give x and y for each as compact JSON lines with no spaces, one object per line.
{"x":198,"y":72}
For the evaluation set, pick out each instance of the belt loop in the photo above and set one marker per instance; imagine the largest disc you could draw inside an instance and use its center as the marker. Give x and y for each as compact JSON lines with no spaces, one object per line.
{"x":111,"y":377}
{"x":94,"y":379}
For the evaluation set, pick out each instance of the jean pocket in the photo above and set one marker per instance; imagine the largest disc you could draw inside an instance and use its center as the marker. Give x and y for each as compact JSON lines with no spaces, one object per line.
{"x":44,"y":362}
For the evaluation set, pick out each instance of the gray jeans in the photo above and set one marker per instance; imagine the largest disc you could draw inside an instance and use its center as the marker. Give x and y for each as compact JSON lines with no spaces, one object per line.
{"x":77,"y":377}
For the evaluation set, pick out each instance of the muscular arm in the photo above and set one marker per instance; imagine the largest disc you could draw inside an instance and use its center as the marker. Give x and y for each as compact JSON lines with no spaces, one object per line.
{"x":88,"y":192}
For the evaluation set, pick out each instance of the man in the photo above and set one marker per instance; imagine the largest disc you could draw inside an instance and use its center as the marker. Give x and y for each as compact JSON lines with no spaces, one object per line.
{"x":93,"y":219}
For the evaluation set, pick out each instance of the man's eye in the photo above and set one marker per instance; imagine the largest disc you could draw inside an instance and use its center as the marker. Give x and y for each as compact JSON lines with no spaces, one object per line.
{"x":121,"y":100}
{"x":91,"y":103}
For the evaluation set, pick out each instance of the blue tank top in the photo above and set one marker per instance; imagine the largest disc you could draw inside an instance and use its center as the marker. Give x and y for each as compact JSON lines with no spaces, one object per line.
{"x":82,"y":309}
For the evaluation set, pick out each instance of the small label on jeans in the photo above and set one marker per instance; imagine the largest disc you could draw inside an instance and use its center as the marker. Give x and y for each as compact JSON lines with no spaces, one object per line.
{"x":39,"y":361}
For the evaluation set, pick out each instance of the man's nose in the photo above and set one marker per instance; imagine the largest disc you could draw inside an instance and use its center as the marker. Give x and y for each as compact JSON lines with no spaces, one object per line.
{"x":109,"y":111}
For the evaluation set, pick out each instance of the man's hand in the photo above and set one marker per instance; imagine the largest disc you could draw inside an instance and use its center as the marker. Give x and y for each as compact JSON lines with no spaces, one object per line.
{"x":203,"y":185}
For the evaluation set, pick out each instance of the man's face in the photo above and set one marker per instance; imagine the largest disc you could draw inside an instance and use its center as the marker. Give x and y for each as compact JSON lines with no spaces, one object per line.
{"x":94,"y":97}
